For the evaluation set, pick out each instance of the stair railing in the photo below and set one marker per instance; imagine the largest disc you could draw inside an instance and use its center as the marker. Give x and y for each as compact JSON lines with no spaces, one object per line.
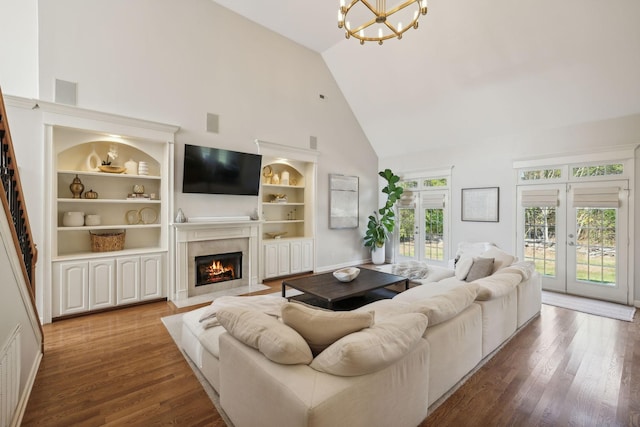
{"x":14,"y":205}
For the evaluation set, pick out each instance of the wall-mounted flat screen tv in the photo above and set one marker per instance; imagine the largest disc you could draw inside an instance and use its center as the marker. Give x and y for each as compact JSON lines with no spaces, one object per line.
{"x":217,"y":171}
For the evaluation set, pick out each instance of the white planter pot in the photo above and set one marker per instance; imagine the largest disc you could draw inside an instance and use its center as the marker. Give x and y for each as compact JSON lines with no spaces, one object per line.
{"x":377,"y":256}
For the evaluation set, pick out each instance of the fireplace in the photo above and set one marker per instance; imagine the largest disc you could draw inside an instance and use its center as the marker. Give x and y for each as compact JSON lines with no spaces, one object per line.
{"x":218,"y":268}
{"x":195,"y":239}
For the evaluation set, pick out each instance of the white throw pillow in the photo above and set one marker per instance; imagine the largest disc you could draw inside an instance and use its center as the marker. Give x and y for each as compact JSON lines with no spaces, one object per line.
{"x":277,"y":341}
{"x":321,"y":328}
{"x":374,"y":348}
{"x":463,"y":266}
{"x":501,"y":258}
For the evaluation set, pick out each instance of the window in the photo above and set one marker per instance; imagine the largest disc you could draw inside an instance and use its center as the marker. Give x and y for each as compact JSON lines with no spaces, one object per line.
{"x":597,"y":170}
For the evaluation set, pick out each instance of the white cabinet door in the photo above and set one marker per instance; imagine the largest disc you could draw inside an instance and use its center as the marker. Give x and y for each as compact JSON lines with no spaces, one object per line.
{"x":270,"y":260}
{"x":284,"y":263}
{"x":296,"y":256}
{"x":71,"y":288}
{"x":151,"y":277}
{"x":307,"y":255}
{"x":128,"y":280}
{"x":102,"y":291}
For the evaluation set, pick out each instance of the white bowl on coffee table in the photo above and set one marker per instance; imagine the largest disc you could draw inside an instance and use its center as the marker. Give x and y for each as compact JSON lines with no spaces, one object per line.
{"x":346,"y":274}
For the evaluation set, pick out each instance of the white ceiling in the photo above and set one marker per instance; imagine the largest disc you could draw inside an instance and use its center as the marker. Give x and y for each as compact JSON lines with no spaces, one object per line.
{"x":474,"y":70}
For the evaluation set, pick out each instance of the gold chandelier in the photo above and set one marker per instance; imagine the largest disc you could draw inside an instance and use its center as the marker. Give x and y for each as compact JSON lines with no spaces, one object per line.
{"x":381,"y":19}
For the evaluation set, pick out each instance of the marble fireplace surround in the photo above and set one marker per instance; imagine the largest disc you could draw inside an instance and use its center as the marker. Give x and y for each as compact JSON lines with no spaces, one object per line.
{"x":209,"y":236}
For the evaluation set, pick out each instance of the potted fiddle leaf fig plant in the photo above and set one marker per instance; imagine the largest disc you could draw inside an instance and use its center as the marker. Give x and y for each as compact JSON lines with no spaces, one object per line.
{"x":382,"y":222}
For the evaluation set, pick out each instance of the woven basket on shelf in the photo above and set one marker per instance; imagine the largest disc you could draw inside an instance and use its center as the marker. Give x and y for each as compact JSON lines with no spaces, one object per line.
{"x":106,"y":242}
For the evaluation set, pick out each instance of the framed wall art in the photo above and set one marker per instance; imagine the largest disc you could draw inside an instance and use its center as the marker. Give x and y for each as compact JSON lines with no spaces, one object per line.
{"x":481,"y":204}
{"x":343,"y":201}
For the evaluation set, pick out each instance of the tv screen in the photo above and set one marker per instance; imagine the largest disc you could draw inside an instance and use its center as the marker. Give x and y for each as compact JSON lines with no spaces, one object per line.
{"x":217,"y":171}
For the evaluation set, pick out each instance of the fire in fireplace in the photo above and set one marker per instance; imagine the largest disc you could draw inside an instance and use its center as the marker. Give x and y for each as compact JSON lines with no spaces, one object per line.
{"x":218,"y":268}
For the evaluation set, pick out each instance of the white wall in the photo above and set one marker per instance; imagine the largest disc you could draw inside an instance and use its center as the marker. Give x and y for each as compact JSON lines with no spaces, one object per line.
{"x":19,"y":47}
{"x":174,"y":62}
{"x":489,"y":163}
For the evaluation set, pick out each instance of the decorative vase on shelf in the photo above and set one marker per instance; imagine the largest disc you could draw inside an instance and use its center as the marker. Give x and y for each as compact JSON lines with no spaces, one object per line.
{"x":131,"y":167}
{"x":93,"y":161}
{"x":76,"y":187}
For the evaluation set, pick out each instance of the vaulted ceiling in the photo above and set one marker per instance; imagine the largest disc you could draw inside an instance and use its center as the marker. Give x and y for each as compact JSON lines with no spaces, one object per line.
{"x":474,"y":70}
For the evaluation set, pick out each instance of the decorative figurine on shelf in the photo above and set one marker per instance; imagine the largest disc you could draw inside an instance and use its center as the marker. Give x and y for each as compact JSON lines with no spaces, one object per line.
{"x":275,"y":179}
{"x":267,"y":173}
{"x":180,"y":217}
{"x":76,"y":187}
{"x":138,"y":189}
{"x":91,"y":194}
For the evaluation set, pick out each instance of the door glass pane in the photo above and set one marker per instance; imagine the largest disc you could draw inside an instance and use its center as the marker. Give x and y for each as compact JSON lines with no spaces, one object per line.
{"x":596,"y":245}
{"x":407,"y":233}
{"x":540,"y":239}
{"x":434,"y":234}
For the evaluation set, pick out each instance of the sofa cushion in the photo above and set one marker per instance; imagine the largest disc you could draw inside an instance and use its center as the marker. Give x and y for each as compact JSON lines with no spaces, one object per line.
{"x":385,"y":308}
{"x":481,"y":267}
{"x":374,"y":348}
{"x":463,"y":265}
{"x":446,"y":306}
{"x":321,"y":328}
{"x":523,"y":268}
{"x":501,"y":258}
{"x":497,"y":286}
{"x":429,"y":290}
{"x":277,"y":341}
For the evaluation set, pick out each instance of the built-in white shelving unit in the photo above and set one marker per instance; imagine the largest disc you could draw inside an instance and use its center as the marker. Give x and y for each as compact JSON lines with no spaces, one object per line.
{"x":82,"y":279}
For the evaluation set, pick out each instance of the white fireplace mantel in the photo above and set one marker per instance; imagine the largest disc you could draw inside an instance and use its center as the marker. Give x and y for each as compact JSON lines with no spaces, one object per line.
{"x":204,"y":230}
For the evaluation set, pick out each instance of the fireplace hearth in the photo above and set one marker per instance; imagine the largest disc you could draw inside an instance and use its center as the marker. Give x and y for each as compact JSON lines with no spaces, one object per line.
{"x":218,"y":268}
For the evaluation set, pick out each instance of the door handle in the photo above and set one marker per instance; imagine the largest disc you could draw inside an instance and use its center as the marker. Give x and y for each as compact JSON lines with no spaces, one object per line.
{"x":571,"y":244}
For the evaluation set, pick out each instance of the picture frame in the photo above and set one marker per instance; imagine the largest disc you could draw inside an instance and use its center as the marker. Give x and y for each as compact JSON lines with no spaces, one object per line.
{"x":343,"y":201}
{"x":481,"y":204}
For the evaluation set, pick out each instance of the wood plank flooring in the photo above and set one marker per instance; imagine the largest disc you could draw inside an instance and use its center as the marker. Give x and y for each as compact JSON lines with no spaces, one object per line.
{"x":122,"y":367}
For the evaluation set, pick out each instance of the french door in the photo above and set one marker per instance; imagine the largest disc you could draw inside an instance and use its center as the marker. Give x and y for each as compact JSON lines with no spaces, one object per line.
{"x":423,"y":227}
{"x":577,"y":236}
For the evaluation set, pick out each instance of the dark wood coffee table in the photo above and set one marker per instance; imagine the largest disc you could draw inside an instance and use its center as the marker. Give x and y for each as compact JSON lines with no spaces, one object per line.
{"x":324,"y":289}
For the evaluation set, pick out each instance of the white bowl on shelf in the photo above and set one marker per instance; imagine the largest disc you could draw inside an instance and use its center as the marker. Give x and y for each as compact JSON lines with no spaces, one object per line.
{"x":346,"y":274}
{"x":73,"y":219}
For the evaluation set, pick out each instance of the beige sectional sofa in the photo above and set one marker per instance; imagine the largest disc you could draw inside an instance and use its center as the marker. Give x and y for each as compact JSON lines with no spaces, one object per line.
{"x":417,"y":347}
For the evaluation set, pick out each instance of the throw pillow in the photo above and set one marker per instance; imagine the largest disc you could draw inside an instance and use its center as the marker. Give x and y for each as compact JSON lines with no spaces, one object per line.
{"x":278,"y":342}
{"x":321,"y":328}
{"x":374,"y":348}
{"x":481,"y":267}
{"x":502,"y":259}
{"x":265,"y":303}
{"x":463,"y":266}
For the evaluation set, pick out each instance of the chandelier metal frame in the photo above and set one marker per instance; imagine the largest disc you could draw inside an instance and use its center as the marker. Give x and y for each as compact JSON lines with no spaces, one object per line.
{"x":381,"y":15}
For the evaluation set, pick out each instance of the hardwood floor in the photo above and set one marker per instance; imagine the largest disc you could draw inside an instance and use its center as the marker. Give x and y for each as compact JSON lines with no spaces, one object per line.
{"x":122,"y":367}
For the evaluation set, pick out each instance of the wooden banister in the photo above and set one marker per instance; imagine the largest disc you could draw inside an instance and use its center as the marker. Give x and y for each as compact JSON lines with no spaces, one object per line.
{"x":15,"y":207}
